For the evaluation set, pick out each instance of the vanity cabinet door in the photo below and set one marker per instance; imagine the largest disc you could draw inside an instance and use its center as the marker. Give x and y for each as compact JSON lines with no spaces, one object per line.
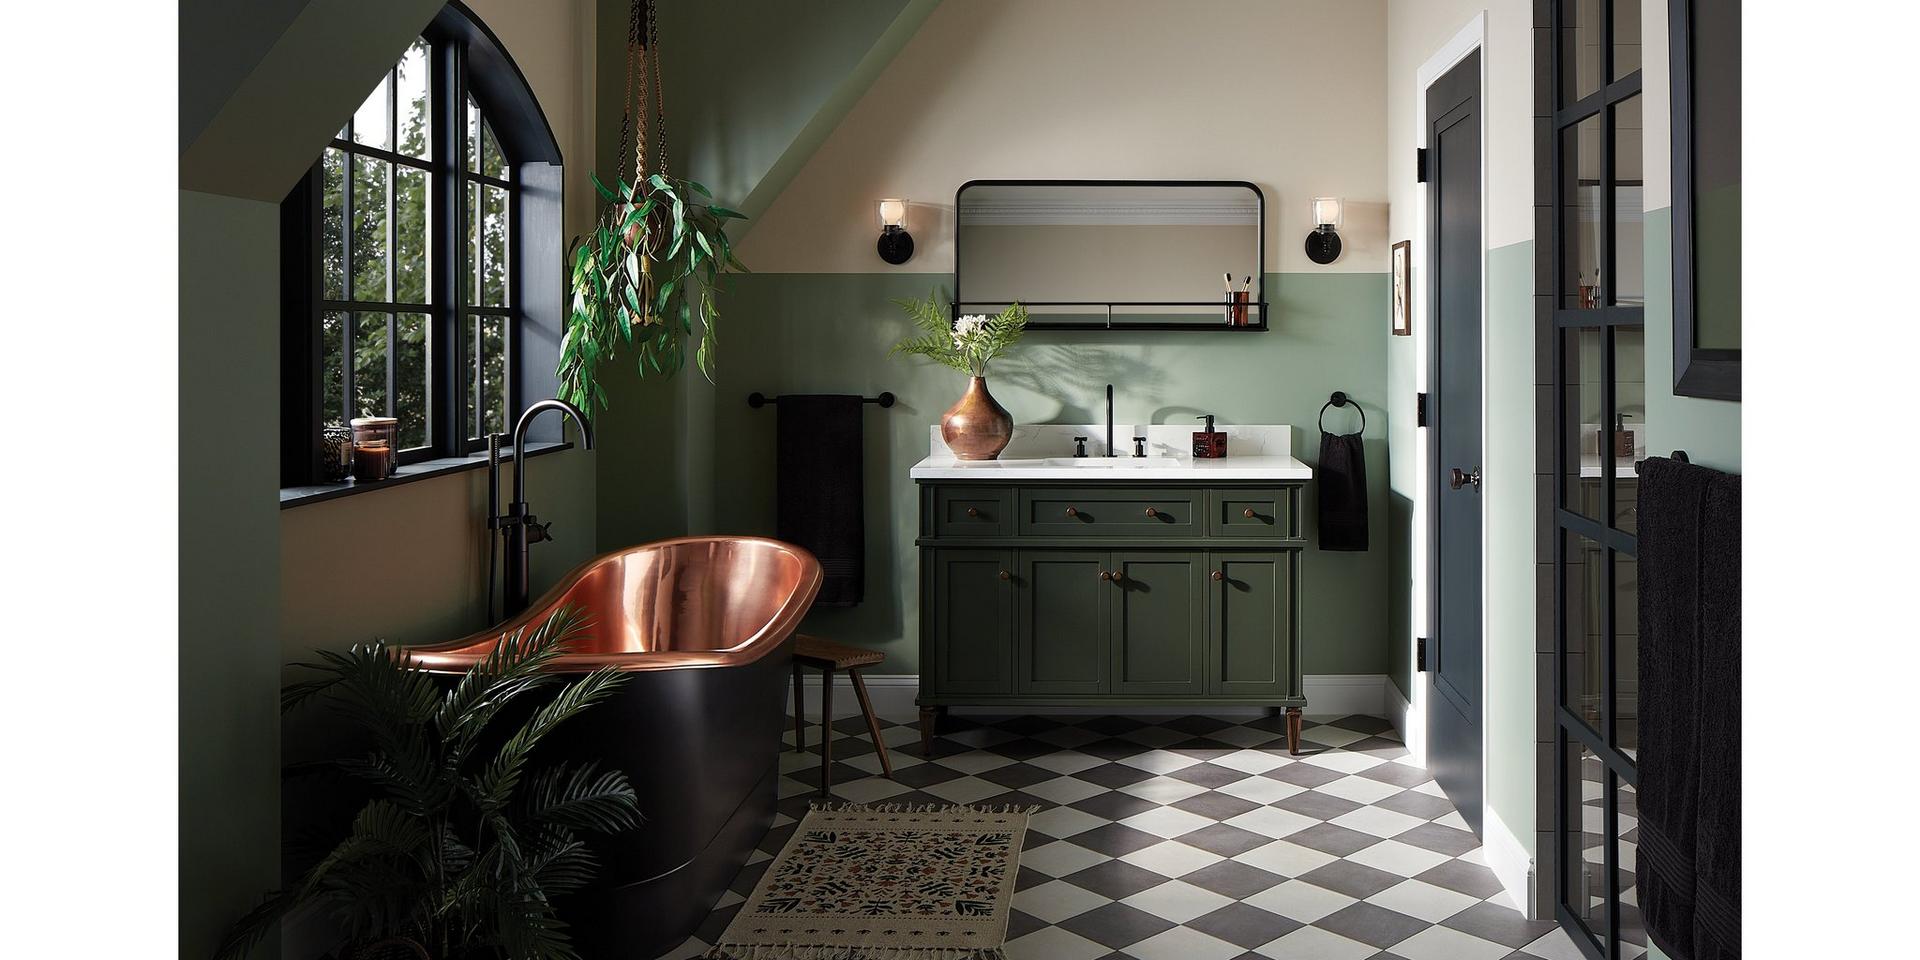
{"x":1251,"y":624}
{"x":973,"y":610}
{"x":1158,"y":617}
{"x":1061,"y":644}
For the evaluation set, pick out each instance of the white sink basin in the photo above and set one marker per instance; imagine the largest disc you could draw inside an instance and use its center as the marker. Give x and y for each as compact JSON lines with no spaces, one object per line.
{"x":1110,"y":462}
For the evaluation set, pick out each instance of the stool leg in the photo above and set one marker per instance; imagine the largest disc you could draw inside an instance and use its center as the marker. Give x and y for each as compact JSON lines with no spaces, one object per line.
{"x":799,"y":708}
{"x":873,"y":722}
{"x":826,"y":732}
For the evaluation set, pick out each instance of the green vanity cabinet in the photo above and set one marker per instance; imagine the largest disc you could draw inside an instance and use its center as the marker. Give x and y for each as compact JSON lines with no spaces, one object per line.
{"x":1117,"y":595}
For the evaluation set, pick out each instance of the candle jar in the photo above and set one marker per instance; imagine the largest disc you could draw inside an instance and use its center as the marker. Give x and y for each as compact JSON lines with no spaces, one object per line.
{"x":336,"y":453}
{"x":374,"y":447}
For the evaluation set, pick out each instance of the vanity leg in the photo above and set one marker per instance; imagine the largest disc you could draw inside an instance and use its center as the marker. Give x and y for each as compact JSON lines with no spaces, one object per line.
{"x":799,"y":710}
{"x":929,"y":719}
{"x":1293,"y":730}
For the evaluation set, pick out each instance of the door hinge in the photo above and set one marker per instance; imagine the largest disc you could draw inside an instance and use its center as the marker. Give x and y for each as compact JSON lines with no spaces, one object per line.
{"x":1420,"y":655}
{"x":1420,"y":164}
{"x":1419,"y":409}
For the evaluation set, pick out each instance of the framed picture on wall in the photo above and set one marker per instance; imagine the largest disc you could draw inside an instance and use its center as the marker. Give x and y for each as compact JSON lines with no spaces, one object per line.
{"x":1403,"y":288}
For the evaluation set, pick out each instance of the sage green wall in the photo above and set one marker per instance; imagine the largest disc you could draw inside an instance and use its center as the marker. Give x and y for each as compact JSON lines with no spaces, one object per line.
{"x":229,"y":570}
{"x":1709,"y":430}
{"x":829,"y":333}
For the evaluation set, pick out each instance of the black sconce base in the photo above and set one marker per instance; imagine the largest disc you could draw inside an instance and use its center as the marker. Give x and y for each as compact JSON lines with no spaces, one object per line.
{"x":1323,"y":247}
{"x":895,"y":246}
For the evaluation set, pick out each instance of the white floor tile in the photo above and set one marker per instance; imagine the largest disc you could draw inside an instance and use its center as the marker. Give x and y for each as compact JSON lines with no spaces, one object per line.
{"x":1066,"y":761}
{"x":1422,"y":900}
{"x":1446,"y":943}
{"x":1272,"y":822}
{"x":1454,"y":820}
{"x":1059,"y":858}
{"x":789,"y":787}
{"x":976,"y":761}
{"x":1300,"y":900}
{"x":1252,"y":761}
{"x":1176,"y":901}
{"x":1556,"y":945}
{"x":1250,"y":737}
{"x":1343,"y":762}
{"x":1063,"y":822}
{"x":1054,"y":943}
{"x":965,"y":790}
{"x":1333,"y":736}
{"x":1359,"y":789}
{"x":1399,"y":859}
{"x":1285,"y":859}
{"x":1172,"y":858}
{"x":1378,"y":821}
{"x":1432,"y":789}
{"x":1313,"y":943}
{"x":1064,"y":789}
{"x":1159,"y":761}
{"x":1056,"y":900}
{"x":1261,"y":790}
{"x":1167,"y":822}
{"x":1182,"y":943}
{"x":1163,"y":790}
{"x":980,"y":737}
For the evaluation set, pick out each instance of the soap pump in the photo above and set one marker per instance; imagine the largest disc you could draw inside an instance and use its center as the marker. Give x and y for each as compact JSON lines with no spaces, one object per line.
{"x":1209,"y":444}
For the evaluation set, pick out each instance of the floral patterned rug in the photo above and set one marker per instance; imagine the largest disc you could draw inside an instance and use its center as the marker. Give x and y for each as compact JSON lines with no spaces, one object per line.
{"x":888,"y":882}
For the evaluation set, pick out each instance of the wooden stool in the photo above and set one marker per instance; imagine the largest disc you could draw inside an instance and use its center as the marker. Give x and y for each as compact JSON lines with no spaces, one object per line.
{"x":828,"y":656}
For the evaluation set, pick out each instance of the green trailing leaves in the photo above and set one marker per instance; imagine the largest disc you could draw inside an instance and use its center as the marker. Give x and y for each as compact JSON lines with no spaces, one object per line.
{"x":641,"y":278}
{"x":464,"y":841}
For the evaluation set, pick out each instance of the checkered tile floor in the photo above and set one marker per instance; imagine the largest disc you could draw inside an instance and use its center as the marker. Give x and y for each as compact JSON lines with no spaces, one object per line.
{"x":1193,"y":838}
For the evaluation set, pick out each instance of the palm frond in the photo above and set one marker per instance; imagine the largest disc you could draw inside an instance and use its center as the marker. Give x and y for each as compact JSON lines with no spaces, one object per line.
{"x":585,"y":797}
{"x":495,"y":785}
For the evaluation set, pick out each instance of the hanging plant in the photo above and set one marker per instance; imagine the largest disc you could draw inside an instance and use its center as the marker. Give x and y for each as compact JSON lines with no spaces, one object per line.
{"x":645,"y":278}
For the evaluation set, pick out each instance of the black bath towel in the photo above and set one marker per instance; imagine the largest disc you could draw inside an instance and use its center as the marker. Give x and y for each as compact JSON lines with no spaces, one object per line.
{"x":821,"y":503}
{"x":1342,"y":476}
{"x":1689,"y":709}
{"x":1716,"y":913}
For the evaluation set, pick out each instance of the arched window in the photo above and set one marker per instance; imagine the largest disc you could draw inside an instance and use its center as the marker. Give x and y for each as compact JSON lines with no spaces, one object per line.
{"x":412,"y":290}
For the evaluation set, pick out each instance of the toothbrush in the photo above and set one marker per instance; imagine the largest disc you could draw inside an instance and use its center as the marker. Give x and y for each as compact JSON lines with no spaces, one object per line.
{"x":1228,"y":277}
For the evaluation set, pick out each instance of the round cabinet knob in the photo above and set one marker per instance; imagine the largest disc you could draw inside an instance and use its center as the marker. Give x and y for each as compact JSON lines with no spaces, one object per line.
{"x":1004,"y":575}
{"x":1071,"y":512}
{"x":1248,"y":513}
{"x":1219,"y":575}
{"x":1151,"y":513}
{"x":973,"y":511}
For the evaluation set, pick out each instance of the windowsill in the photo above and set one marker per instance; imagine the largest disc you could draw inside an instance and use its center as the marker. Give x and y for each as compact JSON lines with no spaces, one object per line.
{"x":424,"y":470}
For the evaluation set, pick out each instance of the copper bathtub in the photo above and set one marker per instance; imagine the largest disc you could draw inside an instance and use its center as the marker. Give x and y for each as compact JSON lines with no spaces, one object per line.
{"x":704,"y":626}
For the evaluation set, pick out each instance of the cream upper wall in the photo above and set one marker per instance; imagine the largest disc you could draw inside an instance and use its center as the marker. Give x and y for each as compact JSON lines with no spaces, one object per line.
{"x":552,"y":41}
{"x":1286,"y":95}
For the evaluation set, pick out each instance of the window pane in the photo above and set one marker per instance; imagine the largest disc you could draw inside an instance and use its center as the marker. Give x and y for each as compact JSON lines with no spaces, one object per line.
{"x":1580,"y":39}
{"x":1630,"y":416}
{"x":371,"y":123}
{"x":1583,"y":816}
{"x":410,"y":211}
{"x":493,"y":388}
{"x":1581,"y":212}
{"x":492,"y":163}
{"x":1626,"y":37}
{"x":1581,"y":433}
{"x":333,"y":368}
{"x":472,"y":138}
{"x":333,"y":187}
{"x":1629,"y":288}
{"x":493,"y":263}
{"x":470,"y":260}
{"x":1626,"y":653}
{"x":411,"y":381}
{"x":412,"y":75}
{"x":369,"y":250}
{"x":1585,"y":628}
{"x":370,"y":365}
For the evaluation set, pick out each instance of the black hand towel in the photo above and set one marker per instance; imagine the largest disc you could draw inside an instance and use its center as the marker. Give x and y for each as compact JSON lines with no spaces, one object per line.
{"x":1716,"y":914}
{"x":1670,"y":503}
{"x":1342,"y":476}
{"x":821,"y":504}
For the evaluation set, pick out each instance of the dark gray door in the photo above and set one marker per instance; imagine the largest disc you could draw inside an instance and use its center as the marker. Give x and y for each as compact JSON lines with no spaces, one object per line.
{"x":1454,"y":647}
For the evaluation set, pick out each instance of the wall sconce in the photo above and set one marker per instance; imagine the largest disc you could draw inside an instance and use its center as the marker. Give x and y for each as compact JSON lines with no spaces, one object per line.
{"x":1323,"y":244}
{"x":896,"y":244}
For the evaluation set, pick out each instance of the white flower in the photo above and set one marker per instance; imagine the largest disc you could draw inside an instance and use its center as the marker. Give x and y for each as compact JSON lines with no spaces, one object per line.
{"x":967,"y":327}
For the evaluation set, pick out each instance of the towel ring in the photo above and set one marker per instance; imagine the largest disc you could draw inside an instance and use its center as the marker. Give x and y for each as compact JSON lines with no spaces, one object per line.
{"x":1340,"y":399}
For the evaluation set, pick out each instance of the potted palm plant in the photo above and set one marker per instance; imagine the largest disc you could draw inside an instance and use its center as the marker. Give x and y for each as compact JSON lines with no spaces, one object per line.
{"x":976,"y":427}
{"x":461,"y":845}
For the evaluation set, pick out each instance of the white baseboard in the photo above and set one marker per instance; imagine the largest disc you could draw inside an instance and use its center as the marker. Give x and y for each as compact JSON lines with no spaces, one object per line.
{"x":1328,"y":694}
{"x":1509,"y":861}
{"x":1411,"y":723}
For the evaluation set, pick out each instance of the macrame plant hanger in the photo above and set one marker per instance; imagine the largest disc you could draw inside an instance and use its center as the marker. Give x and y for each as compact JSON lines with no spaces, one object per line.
{"x":638,"y":120}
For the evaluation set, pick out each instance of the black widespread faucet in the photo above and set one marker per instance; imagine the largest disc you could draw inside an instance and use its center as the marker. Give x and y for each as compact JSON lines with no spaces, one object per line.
{"x":1110,"y":420}
{"x":519,"y":526}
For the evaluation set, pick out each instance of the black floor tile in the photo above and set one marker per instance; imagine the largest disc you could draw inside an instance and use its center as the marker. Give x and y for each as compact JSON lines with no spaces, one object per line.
{"x":1243,"y":925}
{"x":1503,"y":925}
{"x":1439,"y":839}
{"x":1460,"y":876}
{"x":1115,"y":879}
{"x":1116,"y":925}
{"x":1398,"y":774}
{"x":1376,"y":926}
{"x":1320,"y":806}
{"x":1413,"y":803}
{"x":1334,"y":839}
{"x":1353,"y":879}
{"x":1113,"y":776}
{"x":1303,"y":774}
{"x":1227,"y":841}
{"x":1115,"y":839}
{"x":1230,"y":878}
{"x":1209,"y":775}
{"x":1113,"y":805}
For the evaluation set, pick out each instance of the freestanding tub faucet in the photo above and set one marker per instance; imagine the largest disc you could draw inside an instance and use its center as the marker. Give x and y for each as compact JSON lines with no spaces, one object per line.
{"x":519,"y":526}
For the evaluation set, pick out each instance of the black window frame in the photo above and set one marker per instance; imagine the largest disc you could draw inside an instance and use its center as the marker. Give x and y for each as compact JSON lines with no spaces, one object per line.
{"x":467,"y":63}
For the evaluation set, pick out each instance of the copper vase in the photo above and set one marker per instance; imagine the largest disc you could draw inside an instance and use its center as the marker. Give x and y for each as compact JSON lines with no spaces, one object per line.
{"x":977,"y":427}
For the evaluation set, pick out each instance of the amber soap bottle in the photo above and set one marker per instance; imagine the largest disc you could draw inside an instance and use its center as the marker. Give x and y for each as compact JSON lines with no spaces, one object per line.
{"x":1209,"y":444}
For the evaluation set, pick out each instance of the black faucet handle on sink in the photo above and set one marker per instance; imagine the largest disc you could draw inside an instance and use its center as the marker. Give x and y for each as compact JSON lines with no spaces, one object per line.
{"x":1080,"y":446}
{"x":1139,"y":446}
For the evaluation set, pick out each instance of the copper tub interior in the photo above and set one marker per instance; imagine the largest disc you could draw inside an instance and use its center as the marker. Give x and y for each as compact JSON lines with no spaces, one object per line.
{"x":688,"y":602}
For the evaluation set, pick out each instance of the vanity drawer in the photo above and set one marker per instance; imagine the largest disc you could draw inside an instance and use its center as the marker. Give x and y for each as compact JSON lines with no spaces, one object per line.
{"x":972,"y":512}
{"x":1085,"y":512}
{"x":1261,"y":512}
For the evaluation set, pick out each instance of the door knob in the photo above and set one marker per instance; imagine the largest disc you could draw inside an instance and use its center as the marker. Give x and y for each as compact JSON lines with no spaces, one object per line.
{"x":1458,"y":479}
{"x":1248,"y":513}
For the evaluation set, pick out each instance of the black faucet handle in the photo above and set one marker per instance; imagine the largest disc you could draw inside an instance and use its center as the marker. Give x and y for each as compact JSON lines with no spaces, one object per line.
{"x":1079,"y":446}
{"x":537,"y":532}
{"x":1139,"y":446}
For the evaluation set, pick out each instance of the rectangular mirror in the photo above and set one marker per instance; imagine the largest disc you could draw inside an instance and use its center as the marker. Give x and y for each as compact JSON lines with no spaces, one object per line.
{"x":1113,"y":254}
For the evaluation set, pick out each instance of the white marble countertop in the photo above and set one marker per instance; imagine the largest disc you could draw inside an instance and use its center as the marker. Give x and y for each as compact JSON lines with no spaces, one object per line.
{"x":1045,"y":452}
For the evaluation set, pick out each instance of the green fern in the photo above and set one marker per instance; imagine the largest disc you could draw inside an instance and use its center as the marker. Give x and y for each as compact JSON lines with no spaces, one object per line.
{"x":966,"y":344}
{"x":460,"y":852}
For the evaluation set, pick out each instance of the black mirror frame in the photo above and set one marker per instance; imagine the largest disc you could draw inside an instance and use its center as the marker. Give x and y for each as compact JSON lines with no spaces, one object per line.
{"x":1697,"y":372}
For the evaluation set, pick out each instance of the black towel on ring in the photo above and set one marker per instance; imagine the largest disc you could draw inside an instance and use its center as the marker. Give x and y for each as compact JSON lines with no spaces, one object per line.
{"x":1342,"y":480}
{"x":820,"y":500}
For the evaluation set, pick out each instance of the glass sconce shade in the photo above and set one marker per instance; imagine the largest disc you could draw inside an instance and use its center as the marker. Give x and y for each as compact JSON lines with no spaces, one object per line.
{"x":1326,"y":212}
{"x":893,"y":213}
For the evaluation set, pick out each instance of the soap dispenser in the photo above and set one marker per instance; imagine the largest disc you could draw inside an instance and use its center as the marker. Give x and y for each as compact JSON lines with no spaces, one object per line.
{"x":1209,"y":444}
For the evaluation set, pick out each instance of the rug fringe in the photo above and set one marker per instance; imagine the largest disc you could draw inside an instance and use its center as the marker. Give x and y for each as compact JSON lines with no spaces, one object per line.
{"x":832,"y":806}
{"x":794,"y":951}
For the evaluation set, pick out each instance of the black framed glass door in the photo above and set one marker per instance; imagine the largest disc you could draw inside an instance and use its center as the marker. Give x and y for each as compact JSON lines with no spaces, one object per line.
{"x":1594,"y":177}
